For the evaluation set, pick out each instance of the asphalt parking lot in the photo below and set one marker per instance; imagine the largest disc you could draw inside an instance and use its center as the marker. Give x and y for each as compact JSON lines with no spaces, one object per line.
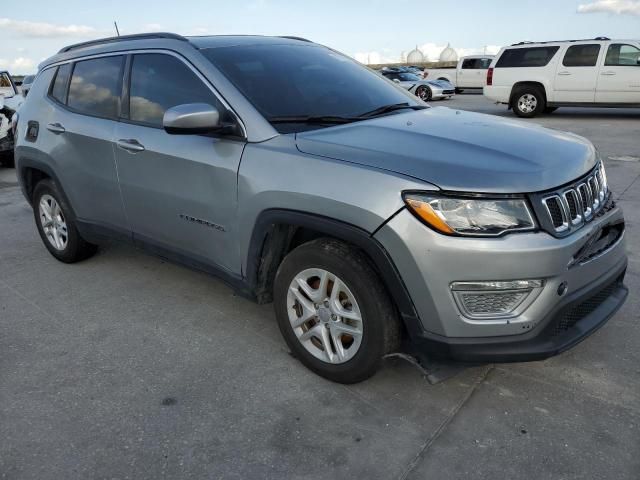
{"x":124,"y":366}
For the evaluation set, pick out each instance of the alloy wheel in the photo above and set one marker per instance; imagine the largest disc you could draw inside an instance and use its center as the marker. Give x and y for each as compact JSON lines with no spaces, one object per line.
{"x":53,"y":222}
{"x":527,"y":103}
{"x":324,"y":315}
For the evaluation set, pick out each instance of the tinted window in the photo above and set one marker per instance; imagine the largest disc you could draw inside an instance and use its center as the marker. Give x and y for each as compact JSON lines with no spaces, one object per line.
{"x":484,"y":63}
{"x":95,"y":87}
{"x":469,"y":63}
{"x":59,"y":87}
{"x":159,"y":82}
{"x":622,"y":55}
{"x":526,"y":57}
{"x":581,"y":56}
{"x":303,"y":80}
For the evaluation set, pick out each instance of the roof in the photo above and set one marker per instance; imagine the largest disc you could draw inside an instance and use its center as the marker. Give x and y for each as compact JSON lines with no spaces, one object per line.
{"x":162,"y":40}
{"x":218,"y":41}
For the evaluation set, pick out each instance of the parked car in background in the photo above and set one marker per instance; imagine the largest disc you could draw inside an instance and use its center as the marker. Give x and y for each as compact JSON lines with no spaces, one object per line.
{"x":470,"y":72}
{"x":10,"y":101}
{"x":426,"y":90}
{"x":301,"y":177}
{"x":26,"y":84}
{"x":535,"y":78}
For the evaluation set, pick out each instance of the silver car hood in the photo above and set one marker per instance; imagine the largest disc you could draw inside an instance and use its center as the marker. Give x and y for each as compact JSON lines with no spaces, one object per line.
{"x":458,"y":150}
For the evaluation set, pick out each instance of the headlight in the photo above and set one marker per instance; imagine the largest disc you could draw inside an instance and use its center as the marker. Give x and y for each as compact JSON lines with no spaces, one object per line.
{"x":470,"y":216}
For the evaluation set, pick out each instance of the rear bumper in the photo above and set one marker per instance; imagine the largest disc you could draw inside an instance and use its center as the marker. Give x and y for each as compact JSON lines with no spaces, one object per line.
{"x":496,"y":93}
{"x":571,"y":321}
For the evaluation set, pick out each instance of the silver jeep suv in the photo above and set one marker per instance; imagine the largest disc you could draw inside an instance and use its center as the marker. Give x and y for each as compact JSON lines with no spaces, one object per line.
{"x":298,"y":176}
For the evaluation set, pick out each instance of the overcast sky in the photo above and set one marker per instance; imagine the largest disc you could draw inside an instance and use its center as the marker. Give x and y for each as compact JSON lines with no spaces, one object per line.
{"x":378,"y":30}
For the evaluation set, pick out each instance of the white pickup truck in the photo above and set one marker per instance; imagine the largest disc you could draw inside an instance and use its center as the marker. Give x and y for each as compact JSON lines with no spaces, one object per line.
{"x":471,"y":72}
{"x":534,"y":78}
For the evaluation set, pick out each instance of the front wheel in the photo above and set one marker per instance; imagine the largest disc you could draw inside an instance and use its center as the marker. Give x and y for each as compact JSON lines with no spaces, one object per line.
{"x":423,"y":93}
{"x":528,"y":102}
{"x":333,"y":311}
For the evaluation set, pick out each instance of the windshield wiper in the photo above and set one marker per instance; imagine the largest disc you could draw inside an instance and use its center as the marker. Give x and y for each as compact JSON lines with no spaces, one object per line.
{"x":390,"y":108}
{"x":320,"y":119}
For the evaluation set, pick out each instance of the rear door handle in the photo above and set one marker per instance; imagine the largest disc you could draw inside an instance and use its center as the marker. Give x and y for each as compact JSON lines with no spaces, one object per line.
{"x":56,"y":128}
{"x":608,"y":73}
{"x":131,"y":145}
{"x":564,"y":73}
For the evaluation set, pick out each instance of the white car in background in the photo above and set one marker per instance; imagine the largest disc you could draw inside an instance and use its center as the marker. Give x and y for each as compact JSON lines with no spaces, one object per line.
{"x":425,"y":90}
{"x":534,"y":78}
{"x":470,"y":72}
{"x":10,"y":101}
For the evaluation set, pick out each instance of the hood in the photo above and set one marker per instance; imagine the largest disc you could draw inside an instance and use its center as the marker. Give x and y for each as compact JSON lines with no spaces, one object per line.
{"x":458,"y":150}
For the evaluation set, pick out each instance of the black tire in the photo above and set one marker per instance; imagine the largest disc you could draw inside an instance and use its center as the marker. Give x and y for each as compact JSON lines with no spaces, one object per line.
{"x":550,"y":110}
{"x":424,"y":93}
{"x":381,"y":327}
{"x":76,"y":248}
{"x":531,"y":107}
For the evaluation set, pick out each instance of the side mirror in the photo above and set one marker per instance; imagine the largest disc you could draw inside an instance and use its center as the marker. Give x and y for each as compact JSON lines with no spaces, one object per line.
{"x":191,"y":118}
{"x":396,"y":80}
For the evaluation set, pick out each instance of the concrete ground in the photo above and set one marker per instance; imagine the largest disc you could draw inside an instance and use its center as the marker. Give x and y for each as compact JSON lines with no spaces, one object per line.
{"x":125,"y":366}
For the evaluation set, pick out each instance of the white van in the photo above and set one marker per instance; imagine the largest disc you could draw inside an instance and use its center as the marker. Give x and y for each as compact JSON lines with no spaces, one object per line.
{"x":533,"y":78}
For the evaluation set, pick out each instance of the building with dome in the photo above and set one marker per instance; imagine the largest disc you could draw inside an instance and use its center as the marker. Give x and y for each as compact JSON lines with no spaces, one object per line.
{"x":415,"y":56}
{"x":448,"y":54}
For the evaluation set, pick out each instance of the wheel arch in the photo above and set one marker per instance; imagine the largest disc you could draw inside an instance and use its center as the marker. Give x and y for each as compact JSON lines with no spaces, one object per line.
{"x":278,"y":231}
{"x":518,"y":85}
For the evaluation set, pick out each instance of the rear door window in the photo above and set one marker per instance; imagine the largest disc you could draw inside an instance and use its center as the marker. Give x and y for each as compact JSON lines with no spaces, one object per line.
{"x":160,"y":82}
{"x":95,"y":87}
{"x":59,"y":85}
{"x":581,"y":56}
{"x":526,"y":57}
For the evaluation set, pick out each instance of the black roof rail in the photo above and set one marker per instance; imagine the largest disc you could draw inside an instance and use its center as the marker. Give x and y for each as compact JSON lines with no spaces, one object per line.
{"x":291,"y":37}
{"x":600,"y":39}
{"x":123,"y":38}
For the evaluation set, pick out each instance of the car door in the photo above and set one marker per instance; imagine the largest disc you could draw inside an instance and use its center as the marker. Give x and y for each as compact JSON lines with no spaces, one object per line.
{"x":466,"y":74}
{"x":619,"y":79}
{"x":78,"y":131}
{"x":179,"y":191}
{"x":577,"y":74}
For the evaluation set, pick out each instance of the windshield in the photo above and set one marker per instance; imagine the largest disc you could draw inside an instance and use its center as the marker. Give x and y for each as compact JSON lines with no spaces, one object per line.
{"x":303,"y":81}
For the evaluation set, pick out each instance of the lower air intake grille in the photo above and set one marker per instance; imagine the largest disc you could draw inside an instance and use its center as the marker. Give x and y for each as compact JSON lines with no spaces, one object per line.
{"x":578,"y":312}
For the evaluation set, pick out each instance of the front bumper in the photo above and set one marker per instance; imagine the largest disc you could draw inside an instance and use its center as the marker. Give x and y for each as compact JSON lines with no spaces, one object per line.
{"x":430,"y":262}
{"x":570,"y":322}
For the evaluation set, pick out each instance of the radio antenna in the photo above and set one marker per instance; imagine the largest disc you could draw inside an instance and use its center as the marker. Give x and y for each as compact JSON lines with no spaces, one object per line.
{"x":115,"y":24}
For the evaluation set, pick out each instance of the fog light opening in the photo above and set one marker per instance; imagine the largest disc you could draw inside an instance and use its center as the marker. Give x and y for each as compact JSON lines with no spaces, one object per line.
{"x":495,"y":299}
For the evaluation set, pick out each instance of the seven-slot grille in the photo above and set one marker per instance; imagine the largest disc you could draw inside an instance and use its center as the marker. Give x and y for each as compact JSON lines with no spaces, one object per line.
{"x":577,"y":203}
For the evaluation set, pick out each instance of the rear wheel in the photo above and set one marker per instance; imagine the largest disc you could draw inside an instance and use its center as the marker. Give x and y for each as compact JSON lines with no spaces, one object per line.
{"x":57,"y":226}
{"x":527,"y":102}
{"x":333,"y":311}
{"x":423,"y":93}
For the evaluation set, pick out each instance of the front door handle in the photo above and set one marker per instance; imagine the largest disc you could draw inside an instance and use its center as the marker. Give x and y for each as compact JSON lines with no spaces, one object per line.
{"x":608,"y":73}
{"x":56,"y":128}
{"x":131,"y":145}
{"x":564,"y":73}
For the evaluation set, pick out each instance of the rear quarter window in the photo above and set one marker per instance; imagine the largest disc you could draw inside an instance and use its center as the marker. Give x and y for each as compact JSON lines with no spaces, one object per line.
{"x":60,"y":81}
{"x":526,"y":57}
